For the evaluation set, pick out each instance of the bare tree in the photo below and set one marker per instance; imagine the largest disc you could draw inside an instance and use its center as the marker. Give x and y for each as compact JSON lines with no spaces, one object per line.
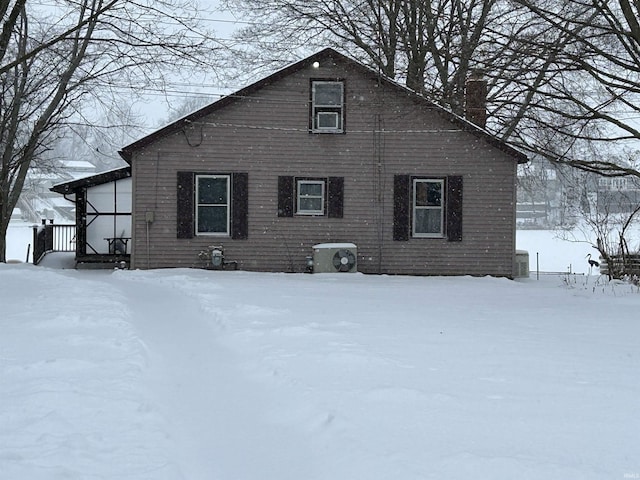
{"x":432,"y":46}
{"x":609,"y":232}
{"x":596,"y":98}
{"x":81,"y":54}
{"x":562,"y":75}
{"x":187,"y":105}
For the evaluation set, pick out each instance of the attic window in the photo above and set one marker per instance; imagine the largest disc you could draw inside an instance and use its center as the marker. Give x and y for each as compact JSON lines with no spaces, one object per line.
{"x":327,"y":106}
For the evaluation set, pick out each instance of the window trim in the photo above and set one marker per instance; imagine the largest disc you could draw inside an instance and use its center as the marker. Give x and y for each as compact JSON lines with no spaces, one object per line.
{"x":316,"y":109}
{"x":323,"y":197}
{"x":197,"y":206}
{"x":415,"y":208}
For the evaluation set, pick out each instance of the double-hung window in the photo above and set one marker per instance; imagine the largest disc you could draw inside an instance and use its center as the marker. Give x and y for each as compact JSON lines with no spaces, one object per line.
{"x":327,"y":106}
{"x":428,"y":209}
{"x":310,"y":198}
{"x":212,"y":204}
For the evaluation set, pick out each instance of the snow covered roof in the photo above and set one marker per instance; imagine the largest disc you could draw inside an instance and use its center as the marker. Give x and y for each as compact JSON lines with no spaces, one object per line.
{"x":78,"y":164}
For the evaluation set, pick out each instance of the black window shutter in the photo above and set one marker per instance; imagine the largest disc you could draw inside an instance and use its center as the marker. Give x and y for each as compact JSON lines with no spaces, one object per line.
{"x":240,"y":206}
{"x":401,"y":207}
{"x":285,"y":196}
{"x":185,"y":210}
{"x":454,"y":208}
{"x":336,"y":197}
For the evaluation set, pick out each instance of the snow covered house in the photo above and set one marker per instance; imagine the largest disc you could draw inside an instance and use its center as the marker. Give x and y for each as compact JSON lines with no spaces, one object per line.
{"x":326,"y":151}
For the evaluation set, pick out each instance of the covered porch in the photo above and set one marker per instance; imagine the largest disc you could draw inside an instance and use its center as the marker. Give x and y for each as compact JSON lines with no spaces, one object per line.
{"x":101,"y":234}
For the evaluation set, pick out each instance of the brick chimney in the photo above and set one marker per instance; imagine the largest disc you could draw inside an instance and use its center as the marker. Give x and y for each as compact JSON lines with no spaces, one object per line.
{"x":476,"y":99}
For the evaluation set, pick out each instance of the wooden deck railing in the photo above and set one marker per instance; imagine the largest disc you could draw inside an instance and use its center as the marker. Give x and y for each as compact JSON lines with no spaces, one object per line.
{"x":50,"y":237}
{"x":621,"y":265}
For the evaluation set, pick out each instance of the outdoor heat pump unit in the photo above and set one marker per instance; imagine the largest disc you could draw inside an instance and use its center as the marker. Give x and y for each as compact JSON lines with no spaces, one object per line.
{"x":335,"y":258}
{"x":522,"y":264}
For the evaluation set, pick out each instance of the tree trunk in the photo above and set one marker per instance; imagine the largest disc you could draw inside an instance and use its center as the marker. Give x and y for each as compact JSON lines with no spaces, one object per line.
{"x":4,"y":225}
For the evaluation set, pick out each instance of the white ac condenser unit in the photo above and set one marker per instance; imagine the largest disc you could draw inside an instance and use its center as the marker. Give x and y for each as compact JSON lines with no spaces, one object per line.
{"x":335,"y":257}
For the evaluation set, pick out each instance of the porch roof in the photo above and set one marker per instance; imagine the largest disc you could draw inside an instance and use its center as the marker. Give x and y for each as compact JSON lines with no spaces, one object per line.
{"x":92,"y":180}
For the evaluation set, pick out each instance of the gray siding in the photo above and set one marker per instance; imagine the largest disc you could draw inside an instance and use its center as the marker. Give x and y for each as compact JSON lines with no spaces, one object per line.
{"x":266,"y":135}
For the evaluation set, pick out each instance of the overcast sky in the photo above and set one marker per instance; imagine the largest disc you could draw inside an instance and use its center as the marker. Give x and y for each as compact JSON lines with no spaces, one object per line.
{"x":155,"y":108}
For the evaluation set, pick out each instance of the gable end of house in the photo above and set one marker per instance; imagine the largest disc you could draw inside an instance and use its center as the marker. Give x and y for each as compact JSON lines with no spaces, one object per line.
{"x":128,"y":151}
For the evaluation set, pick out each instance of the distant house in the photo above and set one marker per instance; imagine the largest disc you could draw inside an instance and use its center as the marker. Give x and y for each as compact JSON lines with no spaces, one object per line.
{"x":326,"y":152}
{"x":77,"y":168}
{"x":618,"y":195}
{"x":37,"y":201}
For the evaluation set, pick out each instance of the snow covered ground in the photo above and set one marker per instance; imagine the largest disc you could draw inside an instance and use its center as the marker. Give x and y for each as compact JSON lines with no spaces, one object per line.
{"x":189,"y":375}
{"x":549,"y":253}
{"x":200,"y":375}
{"x":19,"y":237}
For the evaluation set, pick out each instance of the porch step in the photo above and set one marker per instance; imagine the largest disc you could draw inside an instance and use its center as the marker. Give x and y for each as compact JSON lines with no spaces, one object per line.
{"x":101,"y":265}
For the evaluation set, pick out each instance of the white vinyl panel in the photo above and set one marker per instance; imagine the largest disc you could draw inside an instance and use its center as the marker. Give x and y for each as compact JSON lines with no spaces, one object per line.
{"x":123,"y":226}
{"x":124,"y":195}
{"x":101,"y":198}
{"x":97,"y":231}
